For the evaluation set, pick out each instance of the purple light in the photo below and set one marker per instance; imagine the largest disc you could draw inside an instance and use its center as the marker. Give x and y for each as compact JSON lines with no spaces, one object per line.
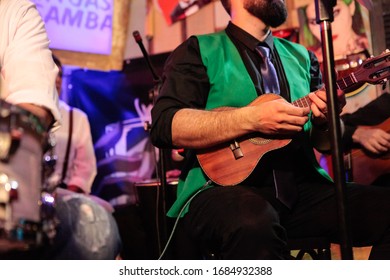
{"x":48,"y":198}
{"x":83,"y":26}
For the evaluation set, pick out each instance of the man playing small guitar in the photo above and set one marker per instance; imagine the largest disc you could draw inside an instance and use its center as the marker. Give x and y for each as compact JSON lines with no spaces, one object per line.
{"x":287,"y":195}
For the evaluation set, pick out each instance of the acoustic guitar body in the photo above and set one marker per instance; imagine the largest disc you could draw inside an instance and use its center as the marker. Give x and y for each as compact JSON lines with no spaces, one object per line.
{"x":366,"y":168}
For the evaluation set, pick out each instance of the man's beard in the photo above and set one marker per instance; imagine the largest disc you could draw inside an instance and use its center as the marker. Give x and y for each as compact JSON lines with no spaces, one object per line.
{"x":272,"y":12}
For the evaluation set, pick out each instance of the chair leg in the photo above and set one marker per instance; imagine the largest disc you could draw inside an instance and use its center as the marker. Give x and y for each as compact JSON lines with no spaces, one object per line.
{"x":316,"y":248}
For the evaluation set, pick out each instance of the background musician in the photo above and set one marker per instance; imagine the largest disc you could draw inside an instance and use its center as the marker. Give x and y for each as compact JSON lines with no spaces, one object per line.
{"x":368,"y":129}
{"x":93,"y":235}
{"x":27,"y":69}
{"x":28,"y":76}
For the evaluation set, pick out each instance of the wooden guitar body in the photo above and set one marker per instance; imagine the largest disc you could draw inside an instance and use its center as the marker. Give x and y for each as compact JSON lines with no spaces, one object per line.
{"x":226,"y":169}
{"x":366,"y":168}
{"x":229,"y":164}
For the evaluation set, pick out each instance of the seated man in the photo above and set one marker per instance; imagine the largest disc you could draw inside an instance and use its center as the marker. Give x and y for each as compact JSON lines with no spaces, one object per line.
{"x":252,"y":181}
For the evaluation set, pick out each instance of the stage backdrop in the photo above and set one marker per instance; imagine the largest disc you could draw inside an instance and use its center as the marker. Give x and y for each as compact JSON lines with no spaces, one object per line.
{"x":90,"y":34}
{"x":351,"y":45}
{"x":117,"y":104}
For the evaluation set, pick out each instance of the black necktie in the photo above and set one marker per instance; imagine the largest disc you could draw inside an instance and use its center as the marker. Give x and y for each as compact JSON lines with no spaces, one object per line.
{"x":268,"y":72}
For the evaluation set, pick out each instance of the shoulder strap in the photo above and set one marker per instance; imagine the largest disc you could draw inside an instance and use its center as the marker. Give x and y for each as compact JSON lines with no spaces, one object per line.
{"x":66,"y":160}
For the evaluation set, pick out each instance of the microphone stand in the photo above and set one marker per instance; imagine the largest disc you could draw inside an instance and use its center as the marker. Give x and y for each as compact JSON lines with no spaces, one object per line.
{"x":161,"y":162}
{"x":324,"y":17}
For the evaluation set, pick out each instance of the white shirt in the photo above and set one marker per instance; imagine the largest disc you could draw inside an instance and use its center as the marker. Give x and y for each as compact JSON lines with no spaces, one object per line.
{"x":27,"y":69}
{"x":82,"y":161}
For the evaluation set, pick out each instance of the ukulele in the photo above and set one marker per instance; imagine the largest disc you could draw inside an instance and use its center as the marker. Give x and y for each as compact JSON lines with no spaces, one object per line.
{"x":230,"y":163}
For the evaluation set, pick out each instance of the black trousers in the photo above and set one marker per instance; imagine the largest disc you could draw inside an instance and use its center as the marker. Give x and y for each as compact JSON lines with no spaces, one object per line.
{"x":248,"y":223}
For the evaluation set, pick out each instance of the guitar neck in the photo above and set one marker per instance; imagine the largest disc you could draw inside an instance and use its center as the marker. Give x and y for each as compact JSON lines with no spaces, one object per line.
{"x":373,"y":70}
{"x":302,"y":102}
{"x":346,"y":82}
{"x":342,"y":84}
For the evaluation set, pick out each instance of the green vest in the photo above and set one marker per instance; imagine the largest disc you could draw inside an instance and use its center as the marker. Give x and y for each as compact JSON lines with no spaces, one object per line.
{"x":231,"y":85}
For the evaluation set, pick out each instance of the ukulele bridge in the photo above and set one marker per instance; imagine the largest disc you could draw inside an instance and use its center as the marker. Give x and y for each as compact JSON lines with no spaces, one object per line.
{"x":236,"y":149}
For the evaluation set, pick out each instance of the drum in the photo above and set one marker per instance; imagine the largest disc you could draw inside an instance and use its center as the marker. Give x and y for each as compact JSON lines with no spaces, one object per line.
{"x":149,"y":192}
{"x":26,"y":203}
{"x":153,"y":206}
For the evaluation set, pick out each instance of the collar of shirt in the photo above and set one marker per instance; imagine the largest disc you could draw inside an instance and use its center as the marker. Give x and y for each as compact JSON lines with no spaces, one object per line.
{"x":247,"y":39}
{"x":246,"y":45}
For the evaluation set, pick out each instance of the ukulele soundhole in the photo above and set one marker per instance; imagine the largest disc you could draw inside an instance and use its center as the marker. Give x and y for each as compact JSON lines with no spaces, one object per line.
{"x":259,"y":141}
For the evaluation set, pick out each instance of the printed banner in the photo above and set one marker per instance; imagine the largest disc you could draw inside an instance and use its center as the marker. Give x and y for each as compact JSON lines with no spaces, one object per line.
{"x":118,"y":108}
{"x":78,"y":25}
{"x":350,"y":44}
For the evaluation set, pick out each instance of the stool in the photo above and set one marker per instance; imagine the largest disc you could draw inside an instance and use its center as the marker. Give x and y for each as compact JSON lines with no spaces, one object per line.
{"x":318,"y":248}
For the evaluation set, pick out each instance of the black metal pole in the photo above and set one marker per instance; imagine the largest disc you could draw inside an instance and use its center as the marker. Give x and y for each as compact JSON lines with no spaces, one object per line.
{"x":161,"y":163}
{"x":324,"y":17}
